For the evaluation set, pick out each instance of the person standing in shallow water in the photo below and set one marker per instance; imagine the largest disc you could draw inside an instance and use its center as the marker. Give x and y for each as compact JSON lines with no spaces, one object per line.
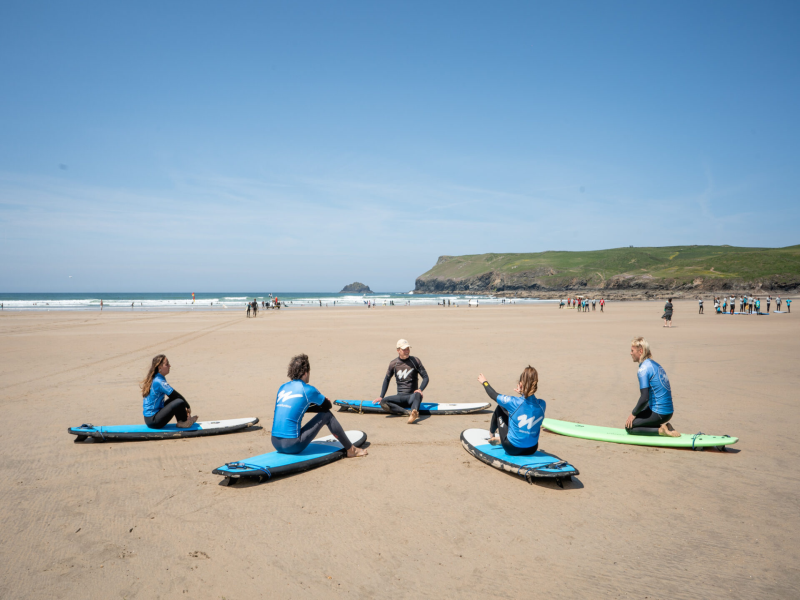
{"x":653,"y":411}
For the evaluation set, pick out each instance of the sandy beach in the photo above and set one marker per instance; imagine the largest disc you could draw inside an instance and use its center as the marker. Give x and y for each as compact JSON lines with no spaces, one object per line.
{"x":419,"y":517}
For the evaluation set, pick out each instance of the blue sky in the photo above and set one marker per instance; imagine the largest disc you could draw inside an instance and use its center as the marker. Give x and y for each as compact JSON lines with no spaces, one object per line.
{"x":214,"y":146}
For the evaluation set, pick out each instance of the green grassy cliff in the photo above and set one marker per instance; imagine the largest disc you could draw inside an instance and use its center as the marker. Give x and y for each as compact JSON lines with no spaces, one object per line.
{"x":673,"y":268}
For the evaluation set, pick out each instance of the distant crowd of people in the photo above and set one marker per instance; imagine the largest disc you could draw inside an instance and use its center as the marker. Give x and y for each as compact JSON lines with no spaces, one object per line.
{"x":583,"y":304}
{"x":747,"y":305}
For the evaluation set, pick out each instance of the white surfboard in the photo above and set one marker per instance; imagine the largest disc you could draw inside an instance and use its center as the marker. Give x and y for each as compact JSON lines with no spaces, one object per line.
{"x":425,"y":408}
{"x":171,"y":430}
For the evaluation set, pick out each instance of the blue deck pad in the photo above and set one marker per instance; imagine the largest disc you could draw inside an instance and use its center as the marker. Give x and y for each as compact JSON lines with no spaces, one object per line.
{"x":432,"y":406}
{"x":136,"y":429}
{"x":536,"y":461}
{"x":272,"y":460}
{"x":424,"y":407}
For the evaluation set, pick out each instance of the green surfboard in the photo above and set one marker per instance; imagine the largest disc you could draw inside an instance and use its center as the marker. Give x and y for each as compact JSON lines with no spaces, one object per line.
{"x":620,"y":436}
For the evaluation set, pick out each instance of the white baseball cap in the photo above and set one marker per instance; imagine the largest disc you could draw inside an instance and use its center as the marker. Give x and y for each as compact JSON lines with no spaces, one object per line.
{"x":403,"y":344}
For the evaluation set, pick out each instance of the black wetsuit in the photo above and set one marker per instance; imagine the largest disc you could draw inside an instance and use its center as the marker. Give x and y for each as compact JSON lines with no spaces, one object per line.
{"x":406,"y":373}
{"x":175,"y":406}
{"x":499,"y":424}
{"x":646,"y":422}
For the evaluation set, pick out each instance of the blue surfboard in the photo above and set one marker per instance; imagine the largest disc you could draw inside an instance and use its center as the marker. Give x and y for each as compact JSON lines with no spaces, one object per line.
{"x":143,"y":432}
{"x":320,"y":452}
{"x":425,"y":408}
{"x":540,"y":464}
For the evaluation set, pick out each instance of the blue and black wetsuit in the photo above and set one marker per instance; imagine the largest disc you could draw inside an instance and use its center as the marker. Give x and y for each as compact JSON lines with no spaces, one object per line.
{"x":158,"y":412}
{"x":406,"y":373}
{"x":517,"y":421}
{"x":296,"y":398}
{"x":655,"y":399}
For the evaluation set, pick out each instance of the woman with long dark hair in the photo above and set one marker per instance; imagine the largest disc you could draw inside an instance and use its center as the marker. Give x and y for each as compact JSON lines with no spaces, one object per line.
{"x":517,"y":420}
{"x":160,"y":401}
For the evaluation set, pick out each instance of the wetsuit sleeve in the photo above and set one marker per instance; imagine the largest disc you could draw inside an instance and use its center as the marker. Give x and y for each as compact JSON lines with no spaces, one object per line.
{"x":490,"y":390}
{"x":386,"y":381}
{"x":176,"y":395}
{"x":318,"y":408}
{"x":162,"y":386}
{"x":644,"y":401}
{"x":313,"y":395}
{"x":424,"y":374}
{"x":510,"y":403}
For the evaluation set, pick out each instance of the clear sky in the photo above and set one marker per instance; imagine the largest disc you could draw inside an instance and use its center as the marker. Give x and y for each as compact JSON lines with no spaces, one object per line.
{"x":300,"y":146}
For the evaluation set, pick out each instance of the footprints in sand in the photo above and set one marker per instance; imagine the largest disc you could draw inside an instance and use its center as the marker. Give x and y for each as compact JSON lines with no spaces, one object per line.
{"x":199,"y":554}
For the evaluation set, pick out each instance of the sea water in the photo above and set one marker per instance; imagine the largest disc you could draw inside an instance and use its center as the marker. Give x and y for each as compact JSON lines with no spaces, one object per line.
{"x":235,"y":300}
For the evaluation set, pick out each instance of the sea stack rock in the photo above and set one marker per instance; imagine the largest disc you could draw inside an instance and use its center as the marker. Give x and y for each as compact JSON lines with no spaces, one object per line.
{"x":356,"y":288}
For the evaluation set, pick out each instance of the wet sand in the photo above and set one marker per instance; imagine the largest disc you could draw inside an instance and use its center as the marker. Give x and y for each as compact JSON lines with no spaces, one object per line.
{"x":419,"y":517}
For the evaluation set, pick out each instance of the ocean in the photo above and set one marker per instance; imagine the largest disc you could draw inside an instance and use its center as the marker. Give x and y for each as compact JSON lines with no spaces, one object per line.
{"x":232,"y":300}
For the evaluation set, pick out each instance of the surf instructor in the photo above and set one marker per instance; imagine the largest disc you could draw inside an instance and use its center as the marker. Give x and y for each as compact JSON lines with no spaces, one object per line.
{"x":155,"y":389}
{"x":296,"y":398}
{"x":406,"y":370}
{"x":654,"y":409}
{"x":517,"y":420}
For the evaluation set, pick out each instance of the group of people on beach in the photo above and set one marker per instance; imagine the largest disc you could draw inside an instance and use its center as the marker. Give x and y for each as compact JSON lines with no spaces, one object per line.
{"x":582,"y":304}
{"x":252,"y":307}
{"x":515,"y":423}
{"x":747,"y":304}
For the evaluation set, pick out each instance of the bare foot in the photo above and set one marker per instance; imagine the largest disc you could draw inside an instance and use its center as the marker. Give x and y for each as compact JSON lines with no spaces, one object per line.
{"x":494,"y":440}
{"x":188,"y":423}
{"x":354,"y":452}
{"x":413,"y":417}
{"x":668,"y":431}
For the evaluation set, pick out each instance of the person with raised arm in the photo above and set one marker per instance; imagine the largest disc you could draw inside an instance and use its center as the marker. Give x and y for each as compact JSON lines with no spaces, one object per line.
{"x":517,"y":420}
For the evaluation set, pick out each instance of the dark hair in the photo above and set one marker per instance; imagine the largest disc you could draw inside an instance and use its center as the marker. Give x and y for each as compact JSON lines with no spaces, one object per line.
{"x":298,"y":366}
{"x":669,"y":300}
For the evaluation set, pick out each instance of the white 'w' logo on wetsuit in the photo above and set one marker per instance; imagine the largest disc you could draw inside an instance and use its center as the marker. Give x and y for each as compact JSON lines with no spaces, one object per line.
{"x":529,"y":422}
{"x":403,"y":374}
{"x":287,"y":395}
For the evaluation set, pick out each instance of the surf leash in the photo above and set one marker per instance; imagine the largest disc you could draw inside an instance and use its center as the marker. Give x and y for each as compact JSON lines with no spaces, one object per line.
{"x":694,"y":437}
{"x":97,"y":429}
{"x":242,"y":465}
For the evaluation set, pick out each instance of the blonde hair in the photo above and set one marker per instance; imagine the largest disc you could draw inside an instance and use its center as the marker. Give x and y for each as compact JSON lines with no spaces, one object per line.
{"x":640,"y":342}
{"x":147,"y":382}
{"x":528,"y":381}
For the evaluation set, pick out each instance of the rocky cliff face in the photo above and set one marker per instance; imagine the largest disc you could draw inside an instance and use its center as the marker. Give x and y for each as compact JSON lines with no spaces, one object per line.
{"x":623,"y":286}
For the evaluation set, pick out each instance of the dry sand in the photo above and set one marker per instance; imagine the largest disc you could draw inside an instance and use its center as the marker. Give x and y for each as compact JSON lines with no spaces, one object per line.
{"x":419,"y":517}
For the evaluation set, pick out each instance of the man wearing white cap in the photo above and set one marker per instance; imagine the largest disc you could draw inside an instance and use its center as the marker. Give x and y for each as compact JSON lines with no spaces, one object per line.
{"x":406,"y":370}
